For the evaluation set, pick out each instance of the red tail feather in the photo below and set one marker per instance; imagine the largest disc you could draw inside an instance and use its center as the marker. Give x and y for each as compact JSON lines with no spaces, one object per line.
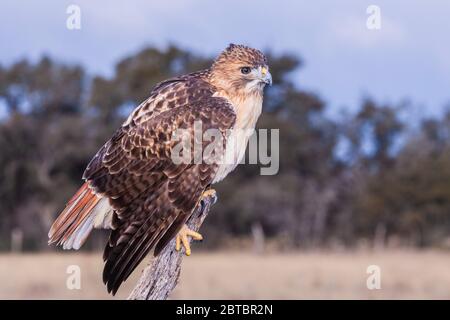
{"x":76,"y":221}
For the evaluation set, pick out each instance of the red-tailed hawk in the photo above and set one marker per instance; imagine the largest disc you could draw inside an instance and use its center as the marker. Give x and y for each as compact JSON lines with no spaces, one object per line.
{"x":132,"y":185}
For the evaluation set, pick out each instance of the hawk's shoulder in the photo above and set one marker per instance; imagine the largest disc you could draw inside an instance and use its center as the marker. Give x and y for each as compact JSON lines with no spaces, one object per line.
{"x":187,"y":91}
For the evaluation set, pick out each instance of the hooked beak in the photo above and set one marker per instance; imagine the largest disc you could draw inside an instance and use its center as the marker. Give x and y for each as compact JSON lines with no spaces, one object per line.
{"x":266,"y":77}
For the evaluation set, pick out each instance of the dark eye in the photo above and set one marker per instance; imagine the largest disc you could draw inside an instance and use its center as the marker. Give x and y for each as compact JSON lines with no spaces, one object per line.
{"x":245,"y":70}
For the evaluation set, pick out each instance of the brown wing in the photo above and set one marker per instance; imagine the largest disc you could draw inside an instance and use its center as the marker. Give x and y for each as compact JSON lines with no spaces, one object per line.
{"x":152,"y":197}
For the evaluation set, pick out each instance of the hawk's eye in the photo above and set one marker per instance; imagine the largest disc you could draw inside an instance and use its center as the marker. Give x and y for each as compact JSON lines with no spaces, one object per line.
{"x":245,"y":70}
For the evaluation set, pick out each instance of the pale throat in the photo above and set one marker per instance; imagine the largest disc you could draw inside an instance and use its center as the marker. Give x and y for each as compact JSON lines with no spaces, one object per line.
{"x":248,"y":111}
{"x":246,"y":105}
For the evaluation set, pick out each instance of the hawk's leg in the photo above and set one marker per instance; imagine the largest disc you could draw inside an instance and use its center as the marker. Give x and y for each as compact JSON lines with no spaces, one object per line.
{"x":182,"y":236}
{"x":182,"y":239}
{"x":209,"y":193}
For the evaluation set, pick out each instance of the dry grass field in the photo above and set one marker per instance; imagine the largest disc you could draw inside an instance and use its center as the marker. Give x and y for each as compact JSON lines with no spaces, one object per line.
{"x":232,"y":275}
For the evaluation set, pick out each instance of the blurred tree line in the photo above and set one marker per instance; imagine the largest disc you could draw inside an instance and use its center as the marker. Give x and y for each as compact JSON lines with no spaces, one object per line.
{"x":368,"y":177}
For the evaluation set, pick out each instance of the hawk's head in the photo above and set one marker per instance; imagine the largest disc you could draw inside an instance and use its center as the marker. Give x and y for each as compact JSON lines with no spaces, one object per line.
{"x":241,"y":69}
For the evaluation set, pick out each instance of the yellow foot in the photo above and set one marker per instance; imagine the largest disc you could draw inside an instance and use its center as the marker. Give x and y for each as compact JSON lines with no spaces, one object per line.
{"x":209,"y":193}
{"x":182,"y":239}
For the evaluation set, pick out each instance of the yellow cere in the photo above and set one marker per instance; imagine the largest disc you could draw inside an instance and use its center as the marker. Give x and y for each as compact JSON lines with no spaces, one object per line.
{"x":263,"y":71}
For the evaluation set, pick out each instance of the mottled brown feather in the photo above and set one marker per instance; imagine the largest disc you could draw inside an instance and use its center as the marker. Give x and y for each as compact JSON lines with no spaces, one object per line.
{"x":152,"y":197}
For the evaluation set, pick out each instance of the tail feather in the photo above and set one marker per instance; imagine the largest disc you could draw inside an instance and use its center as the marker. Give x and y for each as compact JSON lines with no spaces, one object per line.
{"x":75,"y":223}
{"x":66,"y":218}
{"x":77,"y":238}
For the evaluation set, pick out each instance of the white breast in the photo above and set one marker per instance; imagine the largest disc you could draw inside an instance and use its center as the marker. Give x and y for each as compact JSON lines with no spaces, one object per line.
{"x":247,"y":113}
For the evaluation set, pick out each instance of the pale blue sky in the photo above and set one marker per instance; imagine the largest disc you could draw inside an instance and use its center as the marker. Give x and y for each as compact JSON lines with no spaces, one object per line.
{"x":408,"y":58}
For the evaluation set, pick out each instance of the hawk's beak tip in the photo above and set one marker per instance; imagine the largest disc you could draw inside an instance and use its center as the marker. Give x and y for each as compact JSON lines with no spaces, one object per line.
{"x":266,"y":76}
{"x":268,"y":79}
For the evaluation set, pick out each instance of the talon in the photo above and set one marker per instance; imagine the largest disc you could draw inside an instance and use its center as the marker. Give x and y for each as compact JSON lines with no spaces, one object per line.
{"x":182,"y":239}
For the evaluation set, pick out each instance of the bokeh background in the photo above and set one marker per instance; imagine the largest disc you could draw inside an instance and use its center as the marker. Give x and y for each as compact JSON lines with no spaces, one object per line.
{"x":364,"y":123}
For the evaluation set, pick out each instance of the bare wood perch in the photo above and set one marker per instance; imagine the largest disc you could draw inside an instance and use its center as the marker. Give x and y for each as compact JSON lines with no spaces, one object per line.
{"x":161,"y":276}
